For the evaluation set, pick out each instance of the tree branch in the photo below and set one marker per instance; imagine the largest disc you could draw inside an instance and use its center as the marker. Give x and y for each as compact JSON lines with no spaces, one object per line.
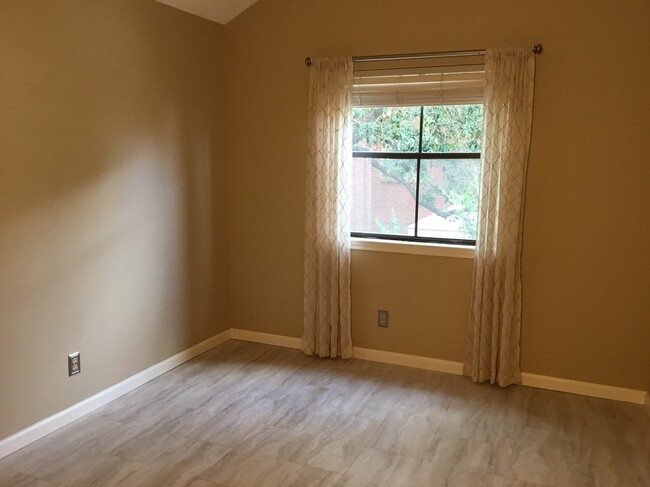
{"x":410,"y":188}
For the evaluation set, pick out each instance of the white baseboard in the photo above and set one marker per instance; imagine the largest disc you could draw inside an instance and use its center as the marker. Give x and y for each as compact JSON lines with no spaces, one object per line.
{"x":48,"y":425}
{"x":583,"y":388}
{"x":266,"y":338}
{"x":394,"y":358}
{"x":452,"y":367}
{"x":417,"y":361}
{"x":38,"y":430}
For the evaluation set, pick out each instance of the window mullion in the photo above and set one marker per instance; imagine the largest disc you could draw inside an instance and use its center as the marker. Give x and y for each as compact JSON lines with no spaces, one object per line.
{"x":417,"y":174}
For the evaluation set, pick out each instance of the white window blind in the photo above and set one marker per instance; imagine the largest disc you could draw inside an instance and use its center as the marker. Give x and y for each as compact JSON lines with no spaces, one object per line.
{"x":418,"y":86}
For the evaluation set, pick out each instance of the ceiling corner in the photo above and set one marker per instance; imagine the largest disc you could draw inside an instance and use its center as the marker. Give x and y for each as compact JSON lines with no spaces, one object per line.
{"x":220,"y":11}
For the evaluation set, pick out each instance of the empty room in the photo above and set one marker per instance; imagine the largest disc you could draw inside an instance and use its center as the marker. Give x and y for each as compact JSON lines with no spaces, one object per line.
{"x":273,"y":243}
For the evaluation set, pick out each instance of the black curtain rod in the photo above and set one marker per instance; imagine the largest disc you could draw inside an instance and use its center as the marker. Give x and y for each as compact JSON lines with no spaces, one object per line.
{"x":537,"y":49}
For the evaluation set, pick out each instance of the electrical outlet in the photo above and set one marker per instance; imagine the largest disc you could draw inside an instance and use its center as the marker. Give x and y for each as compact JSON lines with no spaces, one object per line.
{"x":74,"y":364}
{"x":382,"y":318}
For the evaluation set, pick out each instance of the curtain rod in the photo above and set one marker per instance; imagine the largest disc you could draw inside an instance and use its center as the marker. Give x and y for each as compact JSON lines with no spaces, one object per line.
{"x":537,"y":49}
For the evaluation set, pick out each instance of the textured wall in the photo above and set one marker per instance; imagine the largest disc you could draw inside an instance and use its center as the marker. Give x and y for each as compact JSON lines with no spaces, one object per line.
{"x":112,"y":195}
{"x":585,"y":264}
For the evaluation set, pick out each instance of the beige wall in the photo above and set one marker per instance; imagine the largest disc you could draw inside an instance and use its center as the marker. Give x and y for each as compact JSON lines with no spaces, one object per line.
{"x":585,"y":258}
{"x":112,"y":195}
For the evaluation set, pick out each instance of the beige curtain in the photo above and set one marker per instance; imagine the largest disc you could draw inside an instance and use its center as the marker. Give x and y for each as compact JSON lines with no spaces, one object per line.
{"x":327,"y":214}
{"x":492,"y":350}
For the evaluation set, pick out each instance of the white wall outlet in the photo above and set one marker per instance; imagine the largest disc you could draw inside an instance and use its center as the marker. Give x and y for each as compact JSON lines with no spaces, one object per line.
{"x":382,"y":318}
{"x":74,"y":364}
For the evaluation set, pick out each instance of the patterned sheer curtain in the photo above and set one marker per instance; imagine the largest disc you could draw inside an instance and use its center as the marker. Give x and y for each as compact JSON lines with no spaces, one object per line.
{"x":493,"y":342}
{"x":328,"y":210}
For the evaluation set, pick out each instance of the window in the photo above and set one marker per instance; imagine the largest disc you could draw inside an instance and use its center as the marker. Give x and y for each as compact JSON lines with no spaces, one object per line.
{"x":416,"y":172}
{"x":417,"y":149}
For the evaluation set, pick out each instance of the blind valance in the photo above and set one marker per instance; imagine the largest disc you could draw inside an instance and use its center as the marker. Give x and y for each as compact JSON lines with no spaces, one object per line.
{"x":417,"y":86}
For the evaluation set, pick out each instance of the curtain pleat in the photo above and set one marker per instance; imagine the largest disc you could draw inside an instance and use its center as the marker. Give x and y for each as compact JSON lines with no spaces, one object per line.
{"x":493,"y":342}
{"x":328,"y":210}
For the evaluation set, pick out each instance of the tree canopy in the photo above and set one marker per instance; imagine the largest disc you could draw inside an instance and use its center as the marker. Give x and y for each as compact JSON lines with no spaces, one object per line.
{"x":448,"y":187}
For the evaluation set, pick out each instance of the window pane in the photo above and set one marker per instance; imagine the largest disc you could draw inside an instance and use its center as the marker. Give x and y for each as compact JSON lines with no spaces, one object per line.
{"x":449,"y":198}
{"x":383,"y":196}
{"x":386,"y":129}
{"x":452,"y":128}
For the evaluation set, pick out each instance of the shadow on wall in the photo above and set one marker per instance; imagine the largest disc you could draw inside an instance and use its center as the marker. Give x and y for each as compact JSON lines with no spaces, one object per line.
{"x":106,"y":196}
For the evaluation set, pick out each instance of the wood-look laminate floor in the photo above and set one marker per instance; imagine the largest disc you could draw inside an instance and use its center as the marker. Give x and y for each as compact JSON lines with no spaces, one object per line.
{"x":249,"y":415}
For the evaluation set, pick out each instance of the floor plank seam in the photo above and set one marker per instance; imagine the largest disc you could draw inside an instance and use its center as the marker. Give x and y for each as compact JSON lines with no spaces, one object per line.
{"x":361,"y":424}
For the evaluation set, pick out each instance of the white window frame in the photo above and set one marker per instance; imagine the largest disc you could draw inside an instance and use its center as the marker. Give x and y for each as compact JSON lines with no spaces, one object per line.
{"x":411,"y":86}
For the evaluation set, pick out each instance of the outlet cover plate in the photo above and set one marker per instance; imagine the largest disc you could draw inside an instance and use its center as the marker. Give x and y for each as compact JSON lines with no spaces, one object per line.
{"x":74,"y":364}
{"x":382,"y":318}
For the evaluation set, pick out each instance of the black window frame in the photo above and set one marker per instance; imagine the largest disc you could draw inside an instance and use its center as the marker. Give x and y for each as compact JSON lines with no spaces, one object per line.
{"x":420,"y":156}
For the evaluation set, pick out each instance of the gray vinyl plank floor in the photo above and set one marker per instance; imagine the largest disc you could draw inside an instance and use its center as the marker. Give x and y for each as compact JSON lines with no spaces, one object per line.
{"x":250,"y":415}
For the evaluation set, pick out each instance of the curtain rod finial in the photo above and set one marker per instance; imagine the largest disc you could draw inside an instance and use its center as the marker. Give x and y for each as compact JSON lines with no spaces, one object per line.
{"x":307,"y":61}
{"x":538,"y":48}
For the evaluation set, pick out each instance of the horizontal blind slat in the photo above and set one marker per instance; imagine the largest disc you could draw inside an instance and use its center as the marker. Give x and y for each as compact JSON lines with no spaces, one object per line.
{"x":415,"y":87}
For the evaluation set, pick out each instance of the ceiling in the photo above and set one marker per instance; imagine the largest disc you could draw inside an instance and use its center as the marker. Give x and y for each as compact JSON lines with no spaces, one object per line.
{"x":222,"y":11}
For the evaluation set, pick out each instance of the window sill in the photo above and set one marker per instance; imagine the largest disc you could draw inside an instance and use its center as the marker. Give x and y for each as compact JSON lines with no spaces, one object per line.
{"x":413,"y":248}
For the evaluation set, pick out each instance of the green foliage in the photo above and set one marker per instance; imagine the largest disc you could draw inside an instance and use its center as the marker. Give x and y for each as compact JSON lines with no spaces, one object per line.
{"x":396,"y":228}
{"x":452,"y":128}
{"x":386,"y":129}
{"x":446,"y":128}
{"x":448,"y":187}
